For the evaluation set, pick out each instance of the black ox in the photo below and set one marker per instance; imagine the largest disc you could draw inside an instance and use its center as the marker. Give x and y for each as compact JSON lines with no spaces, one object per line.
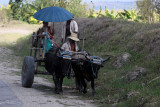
{"x":57,"y":66}
{"x":86,"y":69}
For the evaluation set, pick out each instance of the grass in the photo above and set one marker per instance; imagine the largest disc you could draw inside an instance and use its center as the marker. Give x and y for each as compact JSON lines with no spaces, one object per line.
{"x":20,"y":25}
{"x":5,"y":44}
{"x":127,"y":39}
{"x":10,"y":38}
{"x":139,"y":40}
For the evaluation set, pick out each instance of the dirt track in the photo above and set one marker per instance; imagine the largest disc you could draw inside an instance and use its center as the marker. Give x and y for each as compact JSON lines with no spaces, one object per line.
{"x":42,"y":93}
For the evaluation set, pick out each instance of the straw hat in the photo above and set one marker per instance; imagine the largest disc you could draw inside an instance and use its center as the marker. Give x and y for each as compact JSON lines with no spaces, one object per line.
{"x":73,"y":37}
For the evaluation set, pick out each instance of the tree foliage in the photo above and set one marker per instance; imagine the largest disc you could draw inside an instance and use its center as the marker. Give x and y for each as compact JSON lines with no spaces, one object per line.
{"x":5,"y":13}
{"x":15,"y":6}
{"x":149,"y":10}
{"x":129,"y":15}
{"x":75,"y":7}
{"x":157,"y":5}
{"x":110,"y":14}
{"x":92,"y":11}
{"x":25,"y":9}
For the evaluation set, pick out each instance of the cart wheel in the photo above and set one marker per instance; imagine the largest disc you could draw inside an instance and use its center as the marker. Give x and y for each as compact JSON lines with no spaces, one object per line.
{"x":27,"y":75}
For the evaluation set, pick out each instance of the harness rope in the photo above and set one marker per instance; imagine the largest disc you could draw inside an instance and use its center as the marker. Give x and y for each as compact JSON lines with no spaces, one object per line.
{"x":92,"y":59}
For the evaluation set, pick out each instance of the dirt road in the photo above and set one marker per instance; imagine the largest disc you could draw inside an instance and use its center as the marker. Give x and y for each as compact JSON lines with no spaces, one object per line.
{"x":40,"y":95}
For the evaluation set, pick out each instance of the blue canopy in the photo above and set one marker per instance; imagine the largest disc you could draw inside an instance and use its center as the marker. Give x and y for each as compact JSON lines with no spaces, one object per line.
{"x":53,"y":14}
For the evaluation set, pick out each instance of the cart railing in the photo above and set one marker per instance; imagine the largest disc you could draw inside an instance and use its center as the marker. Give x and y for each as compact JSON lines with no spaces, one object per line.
{"x":36,"y":49}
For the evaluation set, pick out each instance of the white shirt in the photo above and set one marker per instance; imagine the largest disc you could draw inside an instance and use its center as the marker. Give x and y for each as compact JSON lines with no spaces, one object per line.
{"x":73,"y":28}
{"x":66,"y":46}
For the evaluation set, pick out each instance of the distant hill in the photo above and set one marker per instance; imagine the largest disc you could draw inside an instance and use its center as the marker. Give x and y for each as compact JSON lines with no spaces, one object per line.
{"x":117,"y":5}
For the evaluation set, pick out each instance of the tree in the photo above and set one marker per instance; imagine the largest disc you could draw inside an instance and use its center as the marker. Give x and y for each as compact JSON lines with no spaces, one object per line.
{"x":75,"y":7}
{"x":62,"y":3}
{"x":25,"y":9}
{"x":148,"y":10}
{"x":5,"y":13}
{"x":10,"y":1}
{"x":15,"y":6}
{"x":18,"y":1}
{"x":157,"y":5}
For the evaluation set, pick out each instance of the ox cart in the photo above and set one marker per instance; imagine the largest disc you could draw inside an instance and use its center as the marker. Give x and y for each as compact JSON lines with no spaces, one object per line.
{"x":33,"y":64}
{"x":55,"y":61}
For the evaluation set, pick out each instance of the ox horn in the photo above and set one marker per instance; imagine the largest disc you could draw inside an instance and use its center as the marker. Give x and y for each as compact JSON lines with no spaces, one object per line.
{"x":106,"y":59}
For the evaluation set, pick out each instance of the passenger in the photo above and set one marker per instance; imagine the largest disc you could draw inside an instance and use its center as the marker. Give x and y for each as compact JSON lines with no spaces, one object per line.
{"x":71,"y":45}
{"x":69,"y":27}
{"x":47,"y":29}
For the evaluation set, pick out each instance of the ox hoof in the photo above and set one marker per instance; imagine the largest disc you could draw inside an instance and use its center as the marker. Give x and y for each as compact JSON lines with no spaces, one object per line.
{"x":61,"y":90}
{"x":93,"y":93}
{"x":80,"y":90}
{"x":61,"y":93}
{"x":84,"y":91}
{"x":57,"y":92}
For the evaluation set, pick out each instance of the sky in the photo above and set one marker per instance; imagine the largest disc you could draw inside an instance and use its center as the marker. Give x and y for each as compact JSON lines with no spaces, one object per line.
{"x":113,"y":4}
{"x":5,"y":2}
{"x":96,"y":2}
{"x":108,"y":0}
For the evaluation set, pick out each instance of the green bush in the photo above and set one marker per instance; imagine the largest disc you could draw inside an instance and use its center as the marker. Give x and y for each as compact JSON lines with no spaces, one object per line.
{"x":129,"y":15}
{"x":110,"y":14}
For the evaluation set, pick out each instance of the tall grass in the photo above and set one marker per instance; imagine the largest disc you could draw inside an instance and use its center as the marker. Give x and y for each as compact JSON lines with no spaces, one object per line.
{"x":22,"y":47}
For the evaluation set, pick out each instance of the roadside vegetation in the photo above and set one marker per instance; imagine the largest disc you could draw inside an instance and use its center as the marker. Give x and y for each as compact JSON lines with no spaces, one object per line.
{"x":140,"y":41}
{"x":112,"y":34}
